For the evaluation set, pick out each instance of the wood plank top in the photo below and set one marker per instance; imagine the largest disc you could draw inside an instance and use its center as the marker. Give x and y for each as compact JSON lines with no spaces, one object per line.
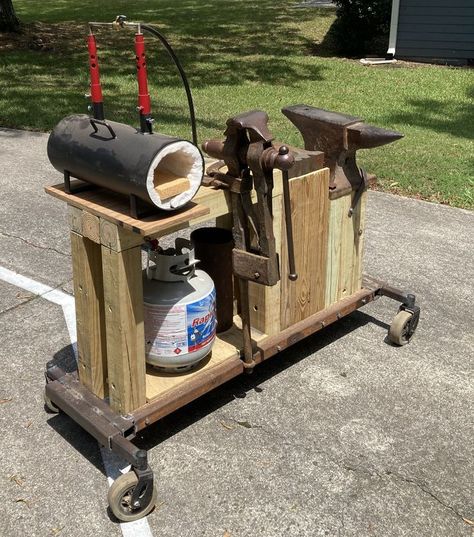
{"x":115,"y":208}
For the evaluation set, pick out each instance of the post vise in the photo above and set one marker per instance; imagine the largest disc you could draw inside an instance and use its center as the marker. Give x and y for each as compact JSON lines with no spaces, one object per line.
{"x":250,"y":158}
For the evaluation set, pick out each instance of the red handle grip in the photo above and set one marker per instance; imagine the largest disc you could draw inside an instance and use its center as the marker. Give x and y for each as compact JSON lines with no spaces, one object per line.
{"x":96,"y":89}
{"x":144,"y":101}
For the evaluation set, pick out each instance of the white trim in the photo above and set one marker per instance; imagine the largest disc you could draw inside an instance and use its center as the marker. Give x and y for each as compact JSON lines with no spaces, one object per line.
{"x":196,"y":170}
{"x":392,"y":40}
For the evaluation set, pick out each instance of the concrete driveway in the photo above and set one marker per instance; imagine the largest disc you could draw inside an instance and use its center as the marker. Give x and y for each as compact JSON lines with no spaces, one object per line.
{"x":343,"y":435}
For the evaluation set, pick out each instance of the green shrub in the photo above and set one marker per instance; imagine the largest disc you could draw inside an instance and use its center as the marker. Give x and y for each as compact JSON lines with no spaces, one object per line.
{"x":361,"y":27}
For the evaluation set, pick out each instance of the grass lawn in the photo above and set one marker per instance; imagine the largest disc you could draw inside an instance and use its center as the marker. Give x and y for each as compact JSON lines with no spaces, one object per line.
{"x":241,"y":55}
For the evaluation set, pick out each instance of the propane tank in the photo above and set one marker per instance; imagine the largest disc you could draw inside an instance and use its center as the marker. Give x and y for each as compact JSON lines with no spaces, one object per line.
{"x":179,"y":307}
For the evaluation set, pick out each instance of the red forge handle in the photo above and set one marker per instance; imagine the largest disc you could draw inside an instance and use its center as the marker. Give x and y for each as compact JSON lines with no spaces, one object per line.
{"x":144,"y":101}
{"x":96,"y":88}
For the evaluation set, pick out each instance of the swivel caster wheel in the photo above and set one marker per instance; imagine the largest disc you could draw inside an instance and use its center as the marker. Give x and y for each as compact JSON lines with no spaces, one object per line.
{"x":49,"y":406}
{"x":120,"y":498}
{"x":403,"y":327}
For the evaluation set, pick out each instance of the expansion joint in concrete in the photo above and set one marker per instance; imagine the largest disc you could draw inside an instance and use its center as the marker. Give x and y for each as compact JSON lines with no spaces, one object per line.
{"x":429,"y":493}
{"x":393,"y":475}
{"x":29,"y":243}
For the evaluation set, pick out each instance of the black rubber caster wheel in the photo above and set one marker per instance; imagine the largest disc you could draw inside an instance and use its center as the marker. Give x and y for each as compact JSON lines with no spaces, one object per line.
{"x":120,"y":496}
{"x":403,"y":327}
{"x":49,"y":406}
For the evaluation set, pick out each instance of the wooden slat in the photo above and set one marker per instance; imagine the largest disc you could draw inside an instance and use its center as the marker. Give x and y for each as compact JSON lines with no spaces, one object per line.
{"x":309,"y":204}
{"x":114,"y":208}
{"x":345,"y":244}
{"x":226,"y":346}
{"x":123,"y":296}
{"x":358,"y":244}
{"x":89,"y":295}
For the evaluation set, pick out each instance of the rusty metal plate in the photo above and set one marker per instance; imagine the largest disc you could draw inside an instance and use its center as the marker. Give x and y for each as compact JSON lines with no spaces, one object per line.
{"x":255,"y":268}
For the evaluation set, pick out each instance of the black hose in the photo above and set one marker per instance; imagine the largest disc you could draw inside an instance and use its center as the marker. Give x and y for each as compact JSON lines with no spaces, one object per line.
{"x":170,"y":51}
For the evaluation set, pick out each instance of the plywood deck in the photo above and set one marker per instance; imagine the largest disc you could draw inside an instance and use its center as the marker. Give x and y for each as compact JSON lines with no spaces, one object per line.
{"x":226,"y":348}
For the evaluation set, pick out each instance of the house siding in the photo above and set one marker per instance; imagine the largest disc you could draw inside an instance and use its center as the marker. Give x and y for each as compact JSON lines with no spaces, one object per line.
{"x":436,"y":29}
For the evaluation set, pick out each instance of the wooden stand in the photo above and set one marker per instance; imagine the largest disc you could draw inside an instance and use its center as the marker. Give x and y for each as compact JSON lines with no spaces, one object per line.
{"x":107,"y":268}
{"x":114,"y":394}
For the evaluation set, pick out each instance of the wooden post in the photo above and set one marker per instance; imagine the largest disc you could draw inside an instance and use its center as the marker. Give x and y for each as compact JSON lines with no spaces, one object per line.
{"x":89,"y":295}
{"x":345,"y":248}
{"x":123,"y":301}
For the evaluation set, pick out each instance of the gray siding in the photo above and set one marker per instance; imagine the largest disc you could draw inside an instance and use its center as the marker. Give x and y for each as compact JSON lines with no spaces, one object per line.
{"x":436,"y":29}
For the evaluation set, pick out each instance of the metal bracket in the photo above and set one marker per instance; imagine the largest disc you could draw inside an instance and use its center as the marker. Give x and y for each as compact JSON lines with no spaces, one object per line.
{"x":413,"y":321}
{"x":143,"y":491}
{"x":364,"y":181}
{"x":93,"y":414}
{"x":80,"y":188}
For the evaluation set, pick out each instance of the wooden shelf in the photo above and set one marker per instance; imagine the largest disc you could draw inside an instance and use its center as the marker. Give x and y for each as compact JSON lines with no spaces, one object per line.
{"x":224,"y":352}
{"x":116,"y":209}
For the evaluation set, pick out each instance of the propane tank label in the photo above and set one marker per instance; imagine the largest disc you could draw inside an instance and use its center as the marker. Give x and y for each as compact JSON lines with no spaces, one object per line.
{"x":181,"y":328}
{"x":201,"y":321}
{"x":165,"y":329}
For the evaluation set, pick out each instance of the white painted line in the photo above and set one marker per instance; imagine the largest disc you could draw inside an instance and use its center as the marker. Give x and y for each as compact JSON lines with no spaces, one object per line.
{"x":25,"y":283}
{"x":113,"y":465}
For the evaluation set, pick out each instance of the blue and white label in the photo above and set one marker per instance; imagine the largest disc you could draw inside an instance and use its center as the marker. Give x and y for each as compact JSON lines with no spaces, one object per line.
{"x":180,"y":329}
{"x":201,"y":322}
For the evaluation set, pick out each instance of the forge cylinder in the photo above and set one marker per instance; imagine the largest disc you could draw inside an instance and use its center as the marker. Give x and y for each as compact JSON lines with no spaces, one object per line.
{"x":159,"y":169}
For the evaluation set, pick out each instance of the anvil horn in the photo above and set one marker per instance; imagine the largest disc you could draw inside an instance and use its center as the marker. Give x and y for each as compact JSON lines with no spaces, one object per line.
{"x":362,"y":136}
{"x":339,"y":136}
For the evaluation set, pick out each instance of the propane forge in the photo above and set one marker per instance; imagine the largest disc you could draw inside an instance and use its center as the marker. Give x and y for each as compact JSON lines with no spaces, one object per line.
{"x":250,"y":157}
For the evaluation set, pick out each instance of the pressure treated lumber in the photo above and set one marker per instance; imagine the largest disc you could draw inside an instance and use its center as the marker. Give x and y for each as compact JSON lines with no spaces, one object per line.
{"x":89,"y":295}
{"x":123,"y":301}
{"x":116,"y":209}
{"x":117,"y":238}
{"x":309,"y":213}
{"x":345,"y":248}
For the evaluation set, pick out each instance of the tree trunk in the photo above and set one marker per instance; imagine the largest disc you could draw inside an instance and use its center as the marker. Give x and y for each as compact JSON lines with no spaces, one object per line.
{"x":8,"y":19}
